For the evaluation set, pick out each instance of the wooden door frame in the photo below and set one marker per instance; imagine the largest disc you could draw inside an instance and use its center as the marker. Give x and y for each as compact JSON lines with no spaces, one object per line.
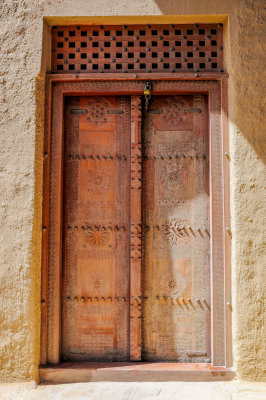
{"x":215,"y":87}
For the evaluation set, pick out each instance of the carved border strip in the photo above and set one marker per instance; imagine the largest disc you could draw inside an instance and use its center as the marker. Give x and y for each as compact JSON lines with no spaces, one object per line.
{"x":135,"y":236}
{"x":60,"y":87}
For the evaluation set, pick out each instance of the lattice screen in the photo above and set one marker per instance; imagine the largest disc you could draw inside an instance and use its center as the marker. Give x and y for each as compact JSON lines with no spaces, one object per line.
{"x":137,"y":48}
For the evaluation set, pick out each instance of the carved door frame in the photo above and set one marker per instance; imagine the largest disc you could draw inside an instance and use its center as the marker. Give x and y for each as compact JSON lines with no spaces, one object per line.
{"x":59,"y":86}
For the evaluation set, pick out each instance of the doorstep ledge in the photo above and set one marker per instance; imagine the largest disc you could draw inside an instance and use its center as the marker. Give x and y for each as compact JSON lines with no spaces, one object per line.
{"x":70,"y":372}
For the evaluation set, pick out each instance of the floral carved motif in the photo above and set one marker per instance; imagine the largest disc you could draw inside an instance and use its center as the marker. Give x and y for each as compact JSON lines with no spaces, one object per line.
{"x":97,"y":236}
{"x":174,"y":232}
{"x":100,"y":178}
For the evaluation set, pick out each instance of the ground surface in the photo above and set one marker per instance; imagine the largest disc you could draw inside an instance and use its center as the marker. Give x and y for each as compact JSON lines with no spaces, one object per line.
{"x":235,"y":390}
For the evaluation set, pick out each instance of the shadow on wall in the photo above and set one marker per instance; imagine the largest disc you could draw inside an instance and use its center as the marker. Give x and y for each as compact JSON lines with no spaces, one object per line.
{"x":245,"y":67}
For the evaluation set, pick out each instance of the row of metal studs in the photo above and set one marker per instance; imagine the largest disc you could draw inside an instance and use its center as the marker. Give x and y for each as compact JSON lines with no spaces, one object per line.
{"x":124,"y":158}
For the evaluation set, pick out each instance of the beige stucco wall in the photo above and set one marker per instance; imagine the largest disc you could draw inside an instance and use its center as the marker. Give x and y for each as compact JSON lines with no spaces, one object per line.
{"x":21,"y":37}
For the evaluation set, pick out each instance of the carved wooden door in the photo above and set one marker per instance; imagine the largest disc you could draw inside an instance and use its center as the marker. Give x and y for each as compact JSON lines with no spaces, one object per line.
{"x":109,"y":252}
{"x":176,"y":250}
{"x":95,"y":292}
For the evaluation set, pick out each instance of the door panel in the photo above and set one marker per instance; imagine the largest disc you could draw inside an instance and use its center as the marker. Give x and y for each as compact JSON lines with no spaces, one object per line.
{"x":96,"y":229}
{"x":175,"y":248}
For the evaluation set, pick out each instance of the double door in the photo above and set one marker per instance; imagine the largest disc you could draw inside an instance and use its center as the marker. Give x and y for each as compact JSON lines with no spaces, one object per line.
{"x":136,"y":236}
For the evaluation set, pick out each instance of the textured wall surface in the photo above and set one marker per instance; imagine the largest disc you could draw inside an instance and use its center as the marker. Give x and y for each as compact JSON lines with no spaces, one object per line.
{"x":21,"y":40}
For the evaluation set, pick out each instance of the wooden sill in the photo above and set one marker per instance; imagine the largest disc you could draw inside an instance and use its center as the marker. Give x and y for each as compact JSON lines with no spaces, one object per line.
{"x":70,"y":372}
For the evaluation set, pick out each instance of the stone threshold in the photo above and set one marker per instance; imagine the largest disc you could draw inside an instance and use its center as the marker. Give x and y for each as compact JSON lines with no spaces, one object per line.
{"x":71,"y":372}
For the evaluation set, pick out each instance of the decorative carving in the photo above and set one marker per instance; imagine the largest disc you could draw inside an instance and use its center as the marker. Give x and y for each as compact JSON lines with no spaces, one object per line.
{"x":135,"y":235}
{"x":97,"y":111}
{"x":100,"y":178}
{"x":172,"y":175}
{"x":174,"y":283}
{"x":97,"y":236}
{"x":174,"y":110}
{"x":173,"y":231}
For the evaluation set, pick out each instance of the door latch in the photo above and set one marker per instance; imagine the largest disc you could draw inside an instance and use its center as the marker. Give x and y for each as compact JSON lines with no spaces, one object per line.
{"x":147,"y":95}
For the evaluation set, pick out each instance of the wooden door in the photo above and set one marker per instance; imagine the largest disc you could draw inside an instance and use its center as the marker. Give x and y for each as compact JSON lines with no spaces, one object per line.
{"x":96,"y":229}
{"x":106,"y":315}
{"x":176,"y":249}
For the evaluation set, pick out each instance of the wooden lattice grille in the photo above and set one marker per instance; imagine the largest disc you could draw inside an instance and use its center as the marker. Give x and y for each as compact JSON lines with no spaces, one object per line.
{"x":137,"y":48}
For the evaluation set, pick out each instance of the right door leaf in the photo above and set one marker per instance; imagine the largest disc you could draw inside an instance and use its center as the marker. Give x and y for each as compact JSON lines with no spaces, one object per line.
{"x":176,"y":233}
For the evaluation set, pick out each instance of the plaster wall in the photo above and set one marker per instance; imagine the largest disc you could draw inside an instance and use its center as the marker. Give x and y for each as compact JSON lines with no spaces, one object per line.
{"x":23,"y":35}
